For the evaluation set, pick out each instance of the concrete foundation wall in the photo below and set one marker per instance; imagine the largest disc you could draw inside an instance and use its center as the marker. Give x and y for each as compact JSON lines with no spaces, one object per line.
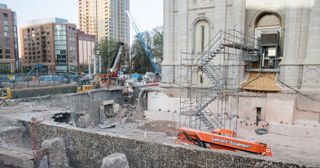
{"x":158,"y":101}
{"x":87,"y":149}
{"x":89,"y":101}
{"x":295,"y":130}
{"x":280,"y":108}
{"x":34,"y":92}
{"x":275,"y":107}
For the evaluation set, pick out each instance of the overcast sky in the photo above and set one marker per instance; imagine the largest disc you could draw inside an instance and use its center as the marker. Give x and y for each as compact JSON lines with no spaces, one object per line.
{"x":148,"y":13}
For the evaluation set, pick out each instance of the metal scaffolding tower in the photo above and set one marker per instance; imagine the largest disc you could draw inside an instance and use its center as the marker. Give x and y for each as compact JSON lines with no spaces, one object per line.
{"x":211,"y":80}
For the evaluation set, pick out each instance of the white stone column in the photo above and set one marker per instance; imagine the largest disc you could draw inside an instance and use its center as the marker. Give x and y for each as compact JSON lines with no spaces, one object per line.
{"x":180,"y":34}
{"x":295,"y":44}
{"x":220,"y":23}
{"x":239,"y":14}
{"x":311,"y":69}
{"x":238,"y":21}
{"x":168,"y":43}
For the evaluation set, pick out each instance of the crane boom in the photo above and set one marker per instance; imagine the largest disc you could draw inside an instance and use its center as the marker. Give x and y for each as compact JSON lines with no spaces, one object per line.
{"x":115,"y":62}
{"x":144,"y":45}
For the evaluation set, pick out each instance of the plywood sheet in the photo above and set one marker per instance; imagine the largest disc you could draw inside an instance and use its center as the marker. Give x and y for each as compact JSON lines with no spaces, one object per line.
{"x":261,"y":81}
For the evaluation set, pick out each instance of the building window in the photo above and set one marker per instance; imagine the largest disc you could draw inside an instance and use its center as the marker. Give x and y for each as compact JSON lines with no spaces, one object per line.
{"x":201,"y":36}
{"x":268,"y":30}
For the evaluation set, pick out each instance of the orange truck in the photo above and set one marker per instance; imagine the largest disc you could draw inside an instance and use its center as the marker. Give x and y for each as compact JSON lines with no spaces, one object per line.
{"x":221,"y":139}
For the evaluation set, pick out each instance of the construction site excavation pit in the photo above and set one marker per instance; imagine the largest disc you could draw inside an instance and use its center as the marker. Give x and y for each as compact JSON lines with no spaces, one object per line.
{"x":84,"y":130}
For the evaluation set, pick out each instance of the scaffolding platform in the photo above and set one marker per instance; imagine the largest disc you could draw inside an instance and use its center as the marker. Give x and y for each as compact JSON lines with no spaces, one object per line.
{"x":240,"y":46}
{"x":212,"y":104}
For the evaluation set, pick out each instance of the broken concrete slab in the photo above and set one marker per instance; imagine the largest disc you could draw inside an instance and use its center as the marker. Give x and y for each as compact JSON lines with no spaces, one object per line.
{"x":44,"y":162}
{"x":17,"y":159}
{"x":116,"y":160}
{"x":14,"y":133}
{"x":107,"y":102}
{"x":83,"y":121}
{"x":57,"y":153}
{"x":116,"y":108}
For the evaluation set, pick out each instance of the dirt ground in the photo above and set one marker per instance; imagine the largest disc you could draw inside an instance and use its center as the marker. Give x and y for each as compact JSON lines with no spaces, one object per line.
{"x":304,"y":151}
{"x":167,"y":127}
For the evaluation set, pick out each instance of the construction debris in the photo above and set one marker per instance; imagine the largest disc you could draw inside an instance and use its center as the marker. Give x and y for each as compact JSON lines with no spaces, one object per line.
{"x":57,"y":153}
{"x":261,"y":131}
{"x":62,"y":117}
{"x":167,"y":127}
{"x":83,"y":121}
{"x":116,"y":160}
{"x":44,"y":162}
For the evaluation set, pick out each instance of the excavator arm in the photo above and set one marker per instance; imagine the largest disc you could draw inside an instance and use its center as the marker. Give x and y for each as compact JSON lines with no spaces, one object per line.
{"x":220,"y":139}
{"x":116,"y":60}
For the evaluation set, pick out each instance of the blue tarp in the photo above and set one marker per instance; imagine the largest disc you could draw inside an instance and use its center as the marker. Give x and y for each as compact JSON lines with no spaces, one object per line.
{"x":136,"y":76}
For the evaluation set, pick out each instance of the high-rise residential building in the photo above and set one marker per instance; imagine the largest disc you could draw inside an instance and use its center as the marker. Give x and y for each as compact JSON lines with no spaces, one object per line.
{"x":86,"y":48}
{"x":9,"y":53}
{"x":50,"y":42}
{"x":105,"y":18}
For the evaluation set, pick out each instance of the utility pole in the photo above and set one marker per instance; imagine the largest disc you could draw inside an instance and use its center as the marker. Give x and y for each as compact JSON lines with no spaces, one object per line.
{"x":90,"y":61}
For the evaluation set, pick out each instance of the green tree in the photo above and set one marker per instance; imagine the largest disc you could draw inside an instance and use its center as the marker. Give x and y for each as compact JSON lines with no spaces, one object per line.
{"x":157,"y":43}
{"x":4,"y":71}
{"x":154,"y":40}
{"x":107,"y":48}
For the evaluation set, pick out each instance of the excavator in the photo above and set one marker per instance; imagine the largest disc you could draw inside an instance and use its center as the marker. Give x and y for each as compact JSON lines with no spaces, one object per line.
{"x":112,"y":73}
{"x":220,"y":139}
{"x":85,"y":84}
{"x":5,"y":93}
{"x":146,"y":48}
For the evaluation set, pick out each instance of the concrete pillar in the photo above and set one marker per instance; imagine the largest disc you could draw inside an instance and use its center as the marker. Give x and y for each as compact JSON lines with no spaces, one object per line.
{"x":295,"y":44}
{"x":180,"y":37}
{"x":238,"y":20}
{"x":311,"y":69}
{"x":168,"y":43}
{"x":239,"y":14}
{"x":220,"y":15}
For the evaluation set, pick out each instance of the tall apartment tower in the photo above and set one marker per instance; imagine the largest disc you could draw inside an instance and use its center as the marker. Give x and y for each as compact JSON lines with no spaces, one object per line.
{"x":86,"y":48}
{"x":9,"y":54}
{"x":105,"y":19}
{"x":50,"y":42}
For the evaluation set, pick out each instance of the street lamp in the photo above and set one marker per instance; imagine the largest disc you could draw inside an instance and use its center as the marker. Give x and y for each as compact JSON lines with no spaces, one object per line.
{"x":97,"y":62}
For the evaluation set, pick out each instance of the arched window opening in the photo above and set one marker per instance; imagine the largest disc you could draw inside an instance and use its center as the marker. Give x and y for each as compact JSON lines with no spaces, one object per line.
{"x":268,"y":20}
{"x":201,"y":36}
{"x":268,"y":30}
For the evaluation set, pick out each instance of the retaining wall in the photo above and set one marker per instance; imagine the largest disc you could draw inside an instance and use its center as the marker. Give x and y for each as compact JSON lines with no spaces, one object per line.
{"x":89,"y":102}
{"x":34,"y":92}
{"x":86,"y":149}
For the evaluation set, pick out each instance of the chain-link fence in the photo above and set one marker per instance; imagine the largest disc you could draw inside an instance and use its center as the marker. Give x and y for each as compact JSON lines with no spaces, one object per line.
{"x":21,"y":81}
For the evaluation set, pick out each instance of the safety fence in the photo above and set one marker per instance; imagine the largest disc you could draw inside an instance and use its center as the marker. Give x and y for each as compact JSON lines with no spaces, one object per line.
{"x":45,"y":78}
{"x":20,"y":81}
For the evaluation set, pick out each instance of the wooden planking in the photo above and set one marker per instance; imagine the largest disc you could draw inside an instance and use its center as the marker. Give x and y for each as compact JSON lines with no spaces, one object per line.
{"x":264,"y":81}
